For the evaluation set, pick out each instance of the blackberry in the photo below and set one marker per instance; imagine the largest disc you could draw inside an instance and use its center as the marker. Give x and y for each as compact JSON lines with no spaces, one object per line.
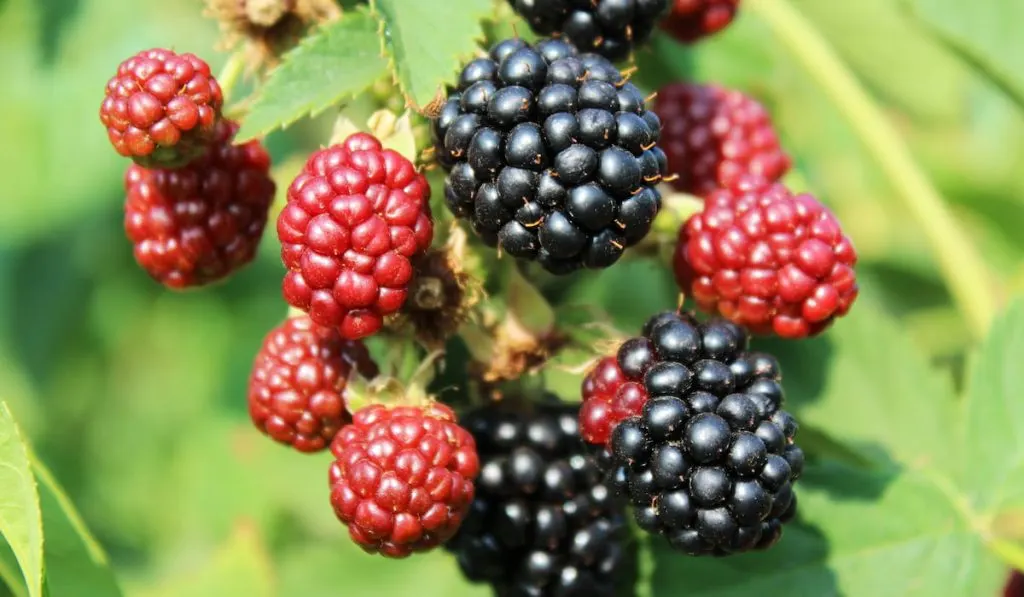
{"x":551,"y":155}
{"x":697,"y":437}
{"x":610,"y":28}
{"x":543,"y":523}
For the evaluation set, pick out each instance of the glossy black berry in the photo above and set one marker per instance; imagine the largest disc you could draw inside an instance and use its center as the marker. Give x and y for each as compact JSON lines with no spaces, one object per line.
{"x":611,"y":28}
{"x":574,"y":121}
{"x":542,"y":523}
{"x":709,"y":459}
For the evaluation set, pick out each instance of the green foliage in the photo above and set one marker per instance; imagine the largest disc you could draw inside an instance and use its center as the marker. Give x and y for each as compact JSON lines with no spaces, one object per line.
{"x":338,"y":61}
{"x":136,"y":396}
{"x":20,"y":519}
{"x":983,"y":33}
{"x":69,"y":561}
{"x":429,"y":41}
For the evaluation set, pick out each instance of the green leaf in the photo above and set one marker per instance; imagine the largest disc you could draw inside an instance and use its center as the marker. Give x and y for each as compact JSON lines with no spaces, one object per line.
{"x":994,"y":417}
{"x":429,"y":40}
{"x":869,"y":386}
{"x":75,"y":563}
{"x":20,"y":520}
{"x":985,"y":33}
{"x":860,"y":534}
{"x":340,"y":60}
{"x":240,"y":566}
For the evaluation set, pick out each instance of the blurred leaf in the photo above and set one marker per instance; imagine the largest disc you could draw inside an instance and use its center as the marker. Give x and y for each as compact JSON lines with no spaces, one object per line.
{"x":898,"y":62}
{"x":340,"y":568}
{"x":21,"y":523}
{"x":429,"y":40}
{"x":984,"y":33}
{"x":860,"y":534}
{"x":338,"y":61}
{"x":994,"y":417}
{"x":75,"y":563}
{"x":239,"y":567}
{"x":868,"y":385}
{"x":10,"y":574}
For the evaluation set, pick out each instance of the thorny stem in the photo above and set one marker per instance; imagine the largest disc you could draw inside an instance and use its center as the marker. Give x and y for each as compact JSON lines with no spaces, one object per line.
{"x":961,"y":266}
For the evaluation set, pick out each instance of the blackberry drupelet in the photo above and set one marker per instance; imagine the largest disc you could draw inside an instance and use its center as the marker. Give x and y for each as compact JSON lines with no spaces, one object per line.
{"x":551,"y":155}
{"x":704,"y":452}
{"x":610,"y":28}
{"x":543,"y":523}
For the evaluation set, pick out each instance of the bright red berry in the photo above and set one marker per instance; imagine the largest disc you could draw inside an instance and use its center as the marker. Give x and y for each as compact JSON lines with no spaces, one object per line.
{"x":197,"y":224}
{"x":691,"y":20}
{"x":402,"y":479}
{"x":161,"y":108}
{"x":609,"y":396}
{"x":767,"y":259}
{"x":298,"y":380}
{"x":712,"y":136}
{"x":356,"y":215}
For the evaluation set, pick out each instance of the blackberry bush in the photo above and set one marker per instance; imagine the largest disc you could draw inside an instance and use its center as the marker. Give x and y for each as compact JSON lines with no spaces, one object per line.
{"x":551,"y":155}
{"x":439,"y":166}
{"x":543,"y":522}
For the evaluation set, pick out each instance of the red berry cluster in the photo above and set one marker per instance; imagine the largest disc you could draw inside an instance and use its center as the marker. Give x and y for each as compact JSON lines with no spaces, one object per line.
{"x":402,"y":479}
{"x":356,"y":216}
{"x":197,"y":203}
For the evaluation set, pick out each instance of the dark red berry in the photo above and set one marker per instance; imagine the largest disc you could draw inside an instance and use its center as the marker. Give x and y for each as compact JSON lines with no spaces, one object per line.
{"x":197,"y":224}
{"x":691,"y":20}
{"x":402,"y":480}
{"x":1014,"y":585}
{"x":161,"y":108}
{"x":356,"y":215}
{"x":298,"y":380}
{"x":767,"y":259}
{"x":713,"y":136}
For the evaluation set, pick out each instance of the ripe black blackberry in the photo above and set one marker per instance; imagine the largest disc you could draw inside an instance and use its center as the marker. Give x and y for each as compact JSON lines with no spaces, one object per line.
{"x":610,"y":28}
{"x":542,"y":523}
{"x":551,"y":154}
{"x":709,"y":459}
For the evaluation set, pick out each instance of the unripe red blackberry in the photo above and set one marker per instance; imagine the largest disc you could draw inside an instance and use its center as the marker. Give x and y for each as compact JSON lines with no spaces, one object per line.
{"x":767,"y":259}
{"x":708,"y":460}
{"x":402,"y":480}
{"x":692,"y":20}
{"x":356,"y":215}
{"x":551,"y":155}
{"x":298,"y":380}
{"x":543,"y":522}
{"x":713,"y":136}
{"x":196,"y":224}
{"x":161,"y":108}
{"x":609,"y":28}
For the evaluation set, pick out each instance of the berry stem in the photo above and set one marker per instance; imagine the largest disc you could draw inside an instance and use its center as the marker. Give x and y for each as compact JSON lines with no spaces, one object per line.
{"x":230,"y":75}
{"x":961,"y":265}
{"x":1008,"y":551}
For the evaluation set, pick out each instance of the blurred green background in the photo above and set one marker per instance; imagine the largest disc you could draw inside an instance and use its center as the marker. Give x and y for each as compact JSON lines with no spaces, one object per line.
{"x":135,"y":396}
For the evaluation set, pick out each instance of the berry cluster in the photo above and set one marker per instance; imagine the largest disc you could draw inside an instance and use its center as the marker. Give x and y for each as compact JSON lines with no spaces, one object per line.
{"x":551,"y":155}
{"x":697,"y":436}
{"x":543,"y":522}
